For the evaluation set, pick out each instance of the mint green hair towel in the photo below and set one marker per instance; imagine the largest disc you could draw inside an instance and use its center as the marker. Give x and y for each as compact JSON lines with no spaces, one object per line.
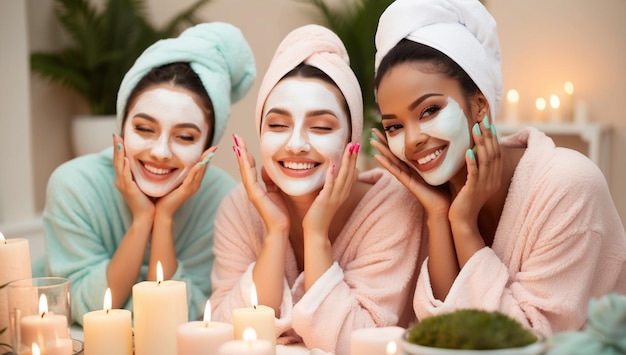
{"x":217,"y":52}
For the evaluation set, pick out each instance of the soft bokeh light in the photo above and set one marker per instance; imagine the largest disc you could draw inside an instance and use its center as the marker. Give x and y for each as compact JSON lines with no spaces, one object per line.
{"x":512,"y":96}
{"x":555,"y":102}
{"x":540,"y":103}
{"x":568,"y":87}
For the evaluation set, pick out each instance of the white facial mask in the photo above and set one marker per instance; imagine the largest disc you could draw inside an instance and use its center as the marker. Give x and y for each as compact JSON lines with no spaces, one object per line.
{"x":160,"y":156}
{"x":298,"y":155}
{"x":449,"y":125}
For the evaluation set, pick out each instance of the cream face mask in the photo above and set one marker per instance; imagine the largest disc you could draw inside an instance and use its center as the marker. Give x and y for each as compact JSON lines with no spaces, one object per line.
{"x":164,"y":137}
{"x":303,"y":133}
{"x":450,"y":125}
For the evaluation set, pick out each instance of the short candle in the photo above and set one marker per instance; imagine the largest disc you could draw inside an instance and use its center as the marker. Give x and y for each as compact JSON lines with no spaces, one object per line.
{"x":108,"y":331}
{"x":258,"y":317}
{"x":203,"y":337}
{"x":249,"y":345}
{"x":43,"y":328}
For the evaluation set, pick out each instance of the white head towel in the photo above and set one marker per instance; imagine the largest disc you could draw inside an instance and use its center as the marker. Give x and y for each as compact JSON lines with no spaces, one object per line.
{"x":321,"y":48}
{"x":461,"y":29}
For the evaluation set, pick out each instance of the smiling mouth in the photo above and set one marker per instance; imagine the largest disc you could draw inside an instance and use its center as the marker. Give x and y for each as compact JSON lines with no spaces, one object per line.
{"x":430,"y":157}
{"x":157,"y":171}
{"x":298,"y":166}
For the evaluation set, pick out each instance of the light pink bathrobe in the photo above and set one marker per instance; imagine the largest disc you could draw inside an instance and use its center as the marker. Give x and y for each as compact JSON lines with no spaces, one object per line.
{"x":559,"y":243}
{"x":369,"y":284}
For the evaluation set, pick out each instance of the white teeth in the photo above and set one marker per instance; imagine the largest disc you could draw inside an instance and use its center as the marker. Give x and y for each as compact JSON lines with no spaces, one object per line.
{"x":429,"y":157}
{"x":298,"y":166}
{"x":157,"y":171}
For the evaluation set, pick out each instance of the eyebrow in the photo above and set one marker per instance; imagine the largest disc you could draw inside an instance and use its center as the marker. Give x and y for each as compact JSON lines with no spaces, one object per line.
{"x":155,"y":121}
{"x":412,"y":106}
{"x":313,"y":113}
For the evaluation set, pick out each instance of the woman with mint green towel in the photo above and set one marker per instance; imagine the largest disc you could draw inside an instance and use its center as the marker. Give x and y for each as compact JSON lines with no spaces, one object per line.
{"x":111,"y":217}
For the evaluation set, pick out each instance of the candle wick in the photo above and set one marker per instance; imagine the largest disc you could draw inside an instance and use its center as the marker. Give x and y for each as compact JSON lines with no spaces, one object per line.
{"x":107,"y":311}
{"x":159,"y":283}
{"x":254,"y":306}
{"x":43,"y":314}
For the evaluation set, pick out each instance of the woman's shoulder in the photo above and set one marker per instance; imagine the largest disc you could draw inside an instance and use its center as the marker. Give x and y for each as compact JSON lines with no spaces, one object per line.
{"x":85,"y":169}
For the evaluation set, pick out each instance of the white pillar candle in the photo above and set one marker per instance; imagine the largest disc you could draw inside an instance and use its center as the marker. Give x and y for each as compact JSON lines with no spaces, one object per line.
{"x":374,"y":341}
{"x":54,"y":347}
{"x":159,"y":307}
{"x":249,"y":345}
{"x":44,"y":327}
{"x":258,"y":317}
{"x":203,"y":337}
{"x":567,"y":104}
{"x":14,"y":265}
{"x":108,"y":331}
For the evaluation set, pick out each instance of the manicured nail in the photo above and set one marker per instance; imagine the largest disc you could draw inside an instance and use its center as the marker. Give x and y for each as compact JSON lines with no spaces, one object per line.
{"x":208,"y":159}
{"x":357,"y":148}
{"x":486,"y":121}
{"x":236,"y":140}
{"x":119,"y":146}
{"x":471,"y":154}
{"x":477,"y":129}
{"x":493,"y":130}
{"x":351,"y":148}
{"x":237,"y":150}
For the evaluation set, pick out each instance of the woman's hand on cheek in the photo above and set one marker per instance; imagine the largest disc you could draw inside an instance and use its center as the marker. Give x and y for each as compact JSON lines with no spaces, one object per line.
{"x":435,"y":201}
{"x":267,"y":200}
{"x":484,"y":173}
{"x":169,"y":204}
{"x":334,"y":193}
{"x":138,"y":202}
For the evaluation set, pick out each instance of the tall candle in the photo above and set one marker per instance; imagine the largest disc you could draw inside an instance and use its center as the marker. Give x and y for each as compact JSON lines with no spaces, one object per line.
{"x":44,"y":327}
{"x":555,"y":110}
{"x":540,"y":104}
{"x":159,"y":307}
{"x":203,"y":337}
{"x":567,"y":103}
{"x":512,"y":105}
{"x":374,"y":341}
{"x":258,"y":317}
{"x":14,"y":265}
{"x":108,"y":331}
{"x":248,"y":345}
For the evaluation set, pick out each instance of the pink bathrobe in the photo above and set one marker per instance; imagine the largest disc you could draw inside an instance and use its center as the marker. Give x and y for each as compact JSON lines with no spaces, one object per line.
{"x":369,"y":284}
{"x":559,"y":243}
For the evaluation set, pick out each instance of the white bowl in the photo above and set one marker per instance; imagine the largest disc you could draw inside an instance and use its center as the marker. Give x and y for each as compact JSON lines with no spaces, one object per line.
{"x":536,"y":348}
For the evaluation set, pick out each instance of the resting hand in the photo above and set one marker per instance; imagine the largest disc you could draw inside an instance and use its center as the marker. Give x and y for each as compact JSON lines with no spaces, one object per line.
{"x":334,"y":193}
{"x":268,"y":201}
{"x":435,"y":201}
{"x":140,"y":205}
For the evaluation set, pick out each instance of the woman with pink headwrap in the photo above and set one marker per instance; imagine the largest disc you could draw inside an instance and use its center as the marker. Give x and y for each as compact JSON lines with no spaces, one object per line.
{"x":322,"y":247}
{"x":517,"y":225}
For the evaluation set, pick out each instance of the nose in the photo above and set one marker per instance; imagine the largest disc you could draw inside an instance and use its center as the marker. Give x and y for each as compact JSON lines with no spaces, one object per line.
{"x":297,"y":142}
{"x":414,"y":136}
{"x":161,"y":148}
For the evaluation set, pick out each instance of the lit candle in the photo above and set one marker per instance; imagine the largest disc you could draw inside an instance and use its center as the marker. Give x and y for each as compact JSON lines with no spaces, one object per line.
{"x":44,"y":328}
{"x":203,"y":337}
{"x":258,"y":317}
{"x":540,"y":104}
{"x":392,"y":348}
{"x":555,"y":104}
{"x":108,"y":331}
{"x":512,"y":99}
{"x":159,"y":307}
{"x":14,"y":265}
{"x":375,"y":341}
{"x":249,"y":345}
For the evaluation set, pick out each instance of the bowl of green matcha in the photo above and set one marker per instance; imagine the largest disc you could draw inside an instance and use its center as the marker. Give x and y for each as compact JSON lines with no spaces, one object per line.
{"x":471,"y":332}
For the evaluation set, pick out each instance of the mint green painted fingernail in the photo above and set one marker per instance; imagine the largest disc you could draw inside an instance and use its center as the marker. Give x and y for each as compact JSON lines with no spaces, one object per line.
{"x":493,"y":130}
{"x":486,"y":121}
{"x":477,"y":129}
{"x":471,"y":154}
{"x":119,"y":146}
{"x":208,"y":159}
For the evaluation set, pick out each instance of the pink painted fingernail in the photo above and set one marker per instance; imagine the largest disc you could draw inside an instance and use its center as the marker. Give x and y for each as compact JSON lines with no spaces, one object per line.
{"x":351,"y":148}
{"x":236,"y":140}
{"x":358,"y":147}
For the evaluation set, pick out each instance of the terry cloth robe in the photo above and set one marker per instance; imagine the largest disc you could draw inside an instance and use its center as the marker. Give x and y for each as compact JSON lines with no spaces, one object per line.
{"x":367,"y":285}
{"x":86,"y":217}
{"x":559,"y":243}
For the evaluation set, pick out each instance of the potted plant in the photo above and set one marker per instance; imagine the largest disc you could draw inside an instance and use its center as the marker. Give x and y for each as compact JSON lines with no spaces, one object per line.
{"x":104,"y":44}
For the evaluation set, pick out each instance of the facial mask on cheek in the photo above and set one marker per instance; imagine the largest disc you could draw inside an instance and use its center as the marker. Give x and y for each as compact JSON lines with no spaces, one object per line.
{"x":450,"y":125}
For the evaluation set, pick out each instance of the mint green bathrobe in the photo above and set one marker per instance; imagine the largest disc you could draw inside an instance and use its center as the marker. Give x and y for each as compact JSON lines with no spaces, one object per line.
{"x":86,"y":217}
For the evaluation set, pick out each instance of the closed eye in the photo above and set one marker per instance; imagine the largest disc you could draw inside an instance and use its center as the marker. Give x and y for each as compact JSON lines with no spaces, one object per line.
{"x":392,"y":127}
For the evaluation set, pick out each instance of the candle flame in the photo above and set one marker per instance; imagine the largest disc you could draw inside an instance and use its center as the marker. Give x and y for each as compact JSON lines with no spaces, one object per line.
{"x":2,"y":239}
{"x":254,"y":300}
{"x":554,"y":101}
{"x":159,"y":277}
{"x":540,"y":103}
{"x":568,"y":87}
{"x":512,"y":96}
{"x":108,"y":301}
{"x":207,"y":311}
{"x":392,"y":348}
{"x":249,"y":334}
{"x":43,"y":305}
{"x":35,"y":349}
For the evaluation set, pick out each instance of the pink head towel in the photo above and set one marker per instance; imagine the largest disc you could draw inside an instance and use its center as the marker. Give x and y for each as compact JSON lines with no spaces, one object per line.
{"x":321,"y":48}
